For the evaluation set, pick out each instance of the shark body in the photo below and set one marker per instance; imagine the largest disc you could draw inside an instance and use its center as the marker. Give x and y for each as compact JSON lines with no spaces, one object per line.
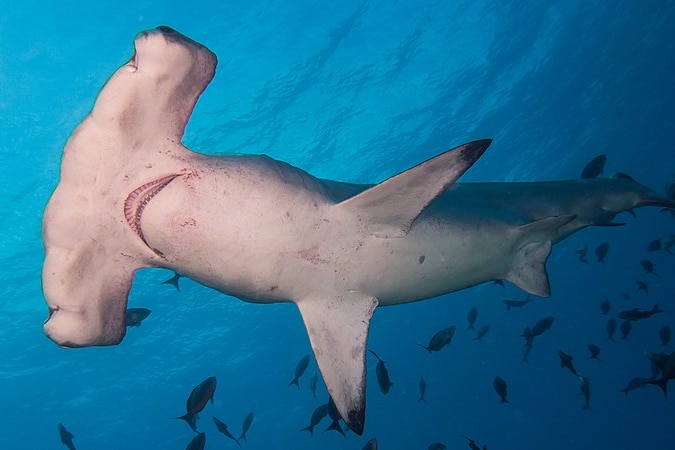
{"x":132,"y":196}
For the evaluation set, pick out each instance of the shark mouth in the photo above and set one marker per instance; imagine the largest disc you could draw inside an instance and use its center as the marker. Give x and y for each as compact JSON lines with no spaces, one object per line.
{"x":138,"y":199}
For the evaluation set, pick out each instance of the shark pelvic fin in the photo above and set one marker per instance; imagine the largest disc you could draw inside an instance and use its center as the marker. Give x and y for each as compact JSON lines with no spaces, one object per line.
{"x":338,"y":332}
{"x":528,"y":271}
{"x":391,"y":206}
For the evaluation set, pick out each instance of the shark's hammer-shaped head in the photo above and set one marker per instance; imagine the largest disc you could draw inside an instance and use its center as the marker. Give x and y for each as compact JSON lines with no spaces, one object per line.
{"x":121,"y":154}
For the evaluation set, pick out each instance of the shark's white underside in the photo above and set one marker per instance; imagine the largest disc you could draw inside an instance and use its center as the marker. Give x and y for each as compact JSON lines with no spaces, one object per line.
{"x":131,"y":196}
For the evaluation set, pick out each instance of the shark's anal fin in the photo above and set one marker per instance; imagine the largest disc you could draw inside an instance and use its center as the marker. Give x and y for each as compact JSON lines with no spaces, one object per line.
{"x":389,"y":208}
{"x":528,"y":270}
{"x":338,"y":331}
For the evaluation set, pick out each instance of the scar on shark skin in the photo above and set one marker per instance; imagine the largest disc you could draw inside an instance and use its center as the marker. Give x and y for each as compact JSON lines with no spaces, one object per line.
{"x":270,"y":232}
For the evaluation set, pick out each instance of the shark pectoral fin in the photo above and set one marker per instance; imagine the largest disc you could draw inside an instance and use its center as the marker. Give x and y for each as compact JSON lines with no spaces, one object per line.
{"x":338,"y":331}
{"x":391,"y":206}
{"x":528,"y":270}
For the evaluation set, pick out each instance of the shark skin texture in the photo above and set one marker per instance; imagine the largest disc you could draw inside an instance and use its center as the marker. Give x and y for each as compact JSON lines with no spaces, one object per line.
{"x":131,"y":196}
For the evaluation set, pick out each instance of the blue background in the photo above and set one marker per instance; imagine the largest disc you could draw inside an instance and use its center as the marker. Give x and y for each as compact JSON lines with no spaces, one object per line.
{"x":355,"y":91}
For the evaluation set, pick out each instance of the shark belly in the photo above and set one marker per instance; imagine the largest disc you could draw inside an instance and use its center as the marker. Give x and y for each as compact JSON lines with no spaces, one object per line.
{"x":436,"y":257}
{"x":271,"y":251}
{"x":255,"y":241}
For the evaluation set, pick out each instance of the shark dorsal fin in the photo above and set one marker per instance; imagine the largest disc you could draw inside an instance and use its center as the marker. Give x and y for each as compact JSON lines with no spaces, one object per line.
{"x":392,"y":206}
{"x":338,"y":331}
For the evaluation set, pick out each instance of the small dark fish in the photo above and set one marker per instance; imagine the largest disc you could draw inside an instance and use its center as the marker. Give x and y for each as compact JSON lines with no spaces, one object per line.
{"x":66,"y":437}
{"x":498,"y":283}
{"x":649,"y":267}
{"x":300,"y":368}
{"x":664,"y":335}
{"x":423,"y":389}
{"x":637,"y":314}
{"x":654,"y":245}
{"x":516,"y":303}
{"x":542,"y":326}
{"x":585,"y":391}
{"x":566,"y":362}
{"x":594,"y":350}
{"x":642,"y":286}
{"x":246,"y":425}
{"x":335,"y":417}
{"x":482,"y":331}
{"x":370,"y":445}
{"x":667,"y":374}
{"x":658,"y":362}
{"x":440,"y":339}
{"x":472,"y":443}
{"x":611,"y":328}
{"x":135,"y":316}
{"x":471,"y":317}
{"x":501,"y":388}
{"x":437,"y":446}
{"x":635,"y":383}
{"x":582,"y":253}
{"x":670,"y":189}
{"x":594,"y":167}
{"x":668,"y":242}
{"x":223,"y":429}
{"x":626,"y":328}
{"x":605,"y":307}
{"x":529,"y":337}
{"x":382,"y":374}
{"x":174,"y":280}
{"x":313,"y":383}
{"x":601,"y":252}
{"x":319,"y":413}
{"x":197,"y":443}
{"x":199,"y":397}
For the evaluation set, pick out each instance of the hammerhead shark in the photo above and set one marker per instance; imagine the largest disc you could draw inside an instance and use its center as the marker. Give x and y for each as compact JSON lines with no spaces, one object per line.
{"x":131,"y":196}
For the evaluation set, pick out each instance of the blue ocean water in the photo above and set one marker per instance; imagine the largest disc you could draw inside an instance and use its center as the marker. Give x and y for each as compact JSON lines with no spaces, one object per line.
{"x":354,"y":91}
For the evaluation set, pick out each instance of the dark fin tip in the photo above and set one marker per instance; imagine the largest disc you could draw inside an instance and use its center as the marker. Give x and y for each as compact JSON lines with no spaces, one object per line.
{"x":356,"y":420}
{"x":473,"y":150}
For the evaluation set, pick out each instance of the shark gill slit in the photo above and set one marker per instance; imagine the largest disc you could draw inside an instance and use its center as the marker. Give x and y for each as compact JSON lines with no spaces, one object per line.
{"x":138,"y":199}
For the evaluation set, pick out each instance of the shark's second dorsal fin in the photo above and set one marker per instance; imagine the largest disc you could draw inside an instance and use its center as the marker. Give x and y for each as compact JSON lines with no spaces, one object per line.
{"x":391,"y":206}
{"x":338,"y":330}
